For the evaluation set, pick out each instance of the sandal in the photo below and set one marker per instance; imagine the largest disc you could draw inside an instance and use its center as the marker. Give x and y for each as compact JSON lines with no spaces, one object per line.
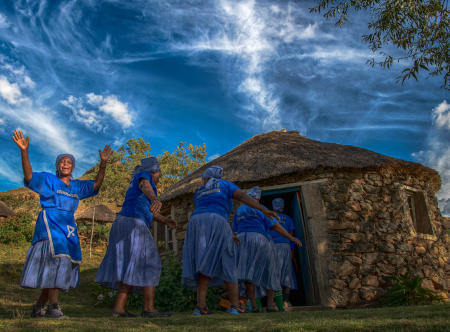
{"x":201,"y":311}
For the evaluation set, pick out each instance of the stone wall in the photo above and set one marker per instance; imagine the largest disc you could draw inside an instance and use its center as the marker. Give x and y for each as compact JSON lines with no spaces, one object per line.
{"x":371,"y":236}
{"x":370,"y":233}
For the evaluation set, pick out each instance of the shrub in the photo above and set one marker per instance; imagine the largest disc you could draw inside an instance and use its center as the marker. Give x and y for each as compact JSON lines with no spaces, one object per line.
{"x":170,"y":295}
{"x":408,"y":290}
{"x":16,"y":229}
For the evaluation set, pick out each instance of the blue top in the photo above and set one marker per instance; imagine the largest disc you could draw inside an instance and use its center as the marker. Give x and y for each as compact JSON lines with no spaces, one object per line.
{"x":59,"y":201}
{"x":288,"y":225}
{"x":248,"y":219}
{"x":136,"y":204}
{"x":215,"y":197}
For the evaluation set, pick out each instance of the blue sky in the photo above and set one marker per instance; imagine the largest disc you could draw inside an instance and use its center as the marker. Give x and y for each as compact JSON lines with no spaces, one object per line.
{"x":76,"y":75}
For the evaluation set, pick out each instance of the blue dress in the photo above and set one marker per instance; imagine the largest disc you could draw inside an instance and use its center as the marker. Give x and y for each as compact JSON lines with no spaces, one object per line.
{"x":209,"y":247}
{"x":256,"y":254}
{"x":54,"y":256}
{"x":132,"y":257}
{"x":284,"y":253}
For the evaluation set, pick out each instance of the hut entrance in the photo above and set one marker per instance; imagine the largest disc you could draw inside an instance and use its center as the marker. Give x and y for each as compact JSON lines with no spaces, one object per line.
{"x":305,"y":294}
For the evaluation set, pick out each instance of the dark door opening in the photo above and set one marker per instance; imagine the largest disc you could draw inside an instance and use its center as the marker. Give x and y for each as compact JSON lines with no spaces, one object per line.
{"x":304,"y":295}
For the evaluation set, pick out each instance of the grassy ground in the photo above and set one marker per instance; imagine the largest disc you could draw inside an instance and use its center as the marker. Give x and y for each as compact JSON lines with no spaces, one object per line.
{"x":78,"y":304}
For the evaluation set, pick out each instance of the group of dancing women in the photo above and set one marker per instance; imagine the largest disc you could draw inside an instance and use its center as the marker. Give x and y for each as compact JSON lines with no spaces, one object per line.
{"x":253,"y":258}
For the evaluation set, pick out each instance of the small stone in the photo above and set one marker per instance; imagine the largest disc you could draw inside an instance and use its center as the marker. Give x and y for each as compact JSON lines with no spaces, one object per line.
{"x":354,"y":260}
{"x":368,"y":294}
{"x":337,"y":283}
{"x":427,"y":283}
{"x":370,"y":280}
{"x":421,"y":250}
{"x":355,"y":283}
{"x":346,"y":269}
{"x":355,"y":206}
{"x":351,"y":216}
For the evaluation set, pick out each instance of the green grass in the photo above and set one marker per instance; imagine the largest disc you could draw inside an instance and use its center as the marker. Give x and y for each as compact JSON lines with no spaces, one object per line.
{"x":78,"y":304}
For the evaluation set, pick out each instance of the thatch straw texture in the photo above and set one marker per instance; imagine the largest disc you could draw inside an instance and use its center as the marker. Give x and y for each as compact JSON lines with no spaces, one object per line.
{"x":279,"y":153}
{"x":103,"y":214}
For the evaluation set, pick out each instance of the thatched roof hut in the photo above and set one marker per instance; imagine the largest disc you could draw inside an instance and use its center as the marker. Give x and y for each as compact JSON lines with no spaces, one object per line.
{"x":362,"y":216}
{"x":5,"y":211}
{"x":276,"y":153}
{"x":101,"y":213}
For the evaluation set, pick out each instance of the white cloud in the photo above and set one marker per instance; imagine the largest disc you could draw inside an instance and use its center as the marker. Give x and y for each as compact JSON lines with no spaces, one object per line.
{"x":437,"y":156}
{"x":214,"y":156}
{"x":11,"y":92}
{"x":3,"y":22}
{"x":441,"y":115}
{"x":95,"y":119}
{"x":2,"y":121}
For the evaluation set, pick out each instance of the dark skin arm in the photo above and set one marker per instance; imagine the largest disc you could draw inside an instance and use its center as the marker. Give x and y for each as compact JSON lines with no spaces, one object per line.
{"x":147,"y":189}
{"x":241,"y":196}
{"x":165,"y":220}
{"x":104,"y":156}
{"x":23,"y":145}
{"x":280,"y":229}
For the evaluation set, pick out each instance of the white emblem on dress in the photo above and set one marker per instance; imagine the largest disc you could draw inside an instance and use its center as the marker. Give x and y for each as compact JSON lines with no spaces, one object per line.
{"x":71,"y":231}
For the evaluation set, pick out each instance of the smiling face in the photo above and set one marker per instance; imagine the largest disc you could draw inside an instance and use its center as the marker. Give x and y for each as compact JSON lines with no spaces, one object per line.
{"x":65,"y":167}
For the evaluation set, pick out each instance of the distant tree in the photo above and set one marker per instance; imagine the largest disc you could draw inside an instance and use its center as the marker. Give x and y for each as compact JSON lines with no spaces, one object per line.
{"x":419,"y":28}
{"x":182,"y":161}
{"x":174,"y":166}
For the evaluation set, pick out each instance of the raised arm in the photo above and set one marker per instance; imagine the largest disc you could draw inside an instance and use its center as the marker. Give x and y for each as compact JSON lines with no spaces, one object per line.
{"x":104,"y":156}
{"x":280,"y":229}
{"x":147,"y":189}
{"x":23,"y":145}
{"x":241,"y":196}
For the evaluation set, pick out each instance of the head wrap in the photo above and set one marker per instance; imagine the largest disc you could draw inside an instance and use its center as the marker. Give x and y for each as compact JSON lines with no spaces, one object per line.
{"x":254,"y":192}
{"x":149,"y":164}
{"x":60,"y":157}
{"x":213,"y":172}
{"x":278,"y":204}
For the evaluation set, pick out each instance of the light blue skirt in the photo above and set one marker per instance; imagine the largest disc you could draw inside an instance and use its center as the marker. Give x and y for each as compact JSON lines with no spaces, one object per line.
{"x":285,"y":265}
{"x":257,"y":261}
{"x":131,"y":257}
{"x":42,"y":270}
{"x":209,"y":250}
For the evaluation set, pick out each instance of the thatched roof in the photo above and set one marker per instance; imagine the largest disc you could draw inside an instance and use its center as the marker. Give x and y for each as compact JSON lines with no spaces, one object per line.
{"x":277,"y":153}
{"x":102,"y":214}
{"x":5,"y":211}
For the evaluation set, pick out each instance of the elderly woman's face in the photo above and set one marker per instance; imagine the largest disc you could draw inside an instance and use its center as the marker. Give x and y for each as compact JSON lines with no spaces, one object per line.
{"x":156,"y":176}
{"x":65,"y":167}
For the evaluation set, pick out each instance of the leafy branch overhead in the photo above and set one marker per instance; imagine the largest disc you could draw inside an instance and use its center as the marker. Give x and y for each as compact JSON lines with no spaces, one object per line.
{"x":419,"y":29}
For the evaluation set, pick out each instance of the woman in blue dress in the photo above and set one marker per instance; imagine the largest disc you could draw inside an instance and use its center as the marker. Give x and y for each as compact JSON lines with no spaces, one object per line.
{"x":283,"y":250}
{"x":53,"y":260}
{"x":209,"y":253}
{"x":257,"y":259}
{"x":132,"y":260}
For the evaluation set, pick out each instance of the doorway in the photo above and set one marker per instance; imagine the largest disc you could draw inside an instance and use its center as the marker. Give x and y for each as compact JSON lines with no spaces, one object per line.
{"x":293,"y":207}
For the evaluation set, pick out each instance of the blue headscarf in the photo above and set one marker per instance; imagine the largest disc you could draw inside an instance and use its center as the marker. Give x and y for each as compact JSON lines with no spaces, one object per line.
{"x":254,"y":192}
{"x":213,"y":172}
{"x":61,"y":156}
{"x":150,"y":164}
{"x":278,"y":204}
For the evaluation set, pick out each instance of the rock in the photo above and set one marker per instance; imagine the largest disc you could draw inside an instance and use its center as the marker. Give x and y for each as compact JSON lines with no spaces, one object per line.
{"x":355,"y":237}
{"x":437,"y":283}
{"x":351,"y":216}
{"x":441,"y":262}
{"x":427,"y":283}
{"x":387,"y":247}
{"x":354,"y":298}
{"x":364,"y":247}
{"x":338,"y":284}
{"x":370,"y":280}
{"x":355,"y":283}
{"x":427,"y":270}
{"x":346,"y":269}
{"x":420,"y":250}
{"x":334,"y":225}
{"x":368,"y":294}
{"x":370,"y":258}
{"x":404,"y":247}
{"x":355,"y":206}
{"x":354,"y":260}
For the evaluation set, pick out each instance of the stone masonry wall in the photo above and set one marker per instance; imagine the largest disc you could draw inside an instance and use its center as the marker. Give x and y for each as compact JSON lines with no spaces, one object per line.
{"x":371,"y":236}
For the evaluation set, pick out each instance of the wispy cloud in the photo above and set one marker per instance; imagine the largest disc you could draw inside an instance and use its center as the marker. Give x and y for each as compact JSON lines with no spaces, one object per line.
{"x":92,"y":110}
{"x":3,"y":22}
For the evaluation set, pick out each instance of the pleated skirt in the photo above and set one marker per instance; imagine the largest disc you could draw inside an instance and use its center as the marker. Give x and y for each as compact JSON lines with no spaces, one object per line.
{"x":209,"y":250}
{"x":42,"y":270}
{"x":257,"y":261}
{"x":131,"y":257}
{"x":285,"y":265}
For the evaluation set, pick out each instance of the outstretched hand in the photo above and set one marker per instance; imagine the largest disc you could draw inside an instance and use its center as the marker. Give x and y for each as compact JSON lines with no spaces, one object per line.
{"x":271,"y":214}
{"x":155,"y":206}
{"x":20,"y":140}
{"x":297,"y":242}
{"x":106,"y":153}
